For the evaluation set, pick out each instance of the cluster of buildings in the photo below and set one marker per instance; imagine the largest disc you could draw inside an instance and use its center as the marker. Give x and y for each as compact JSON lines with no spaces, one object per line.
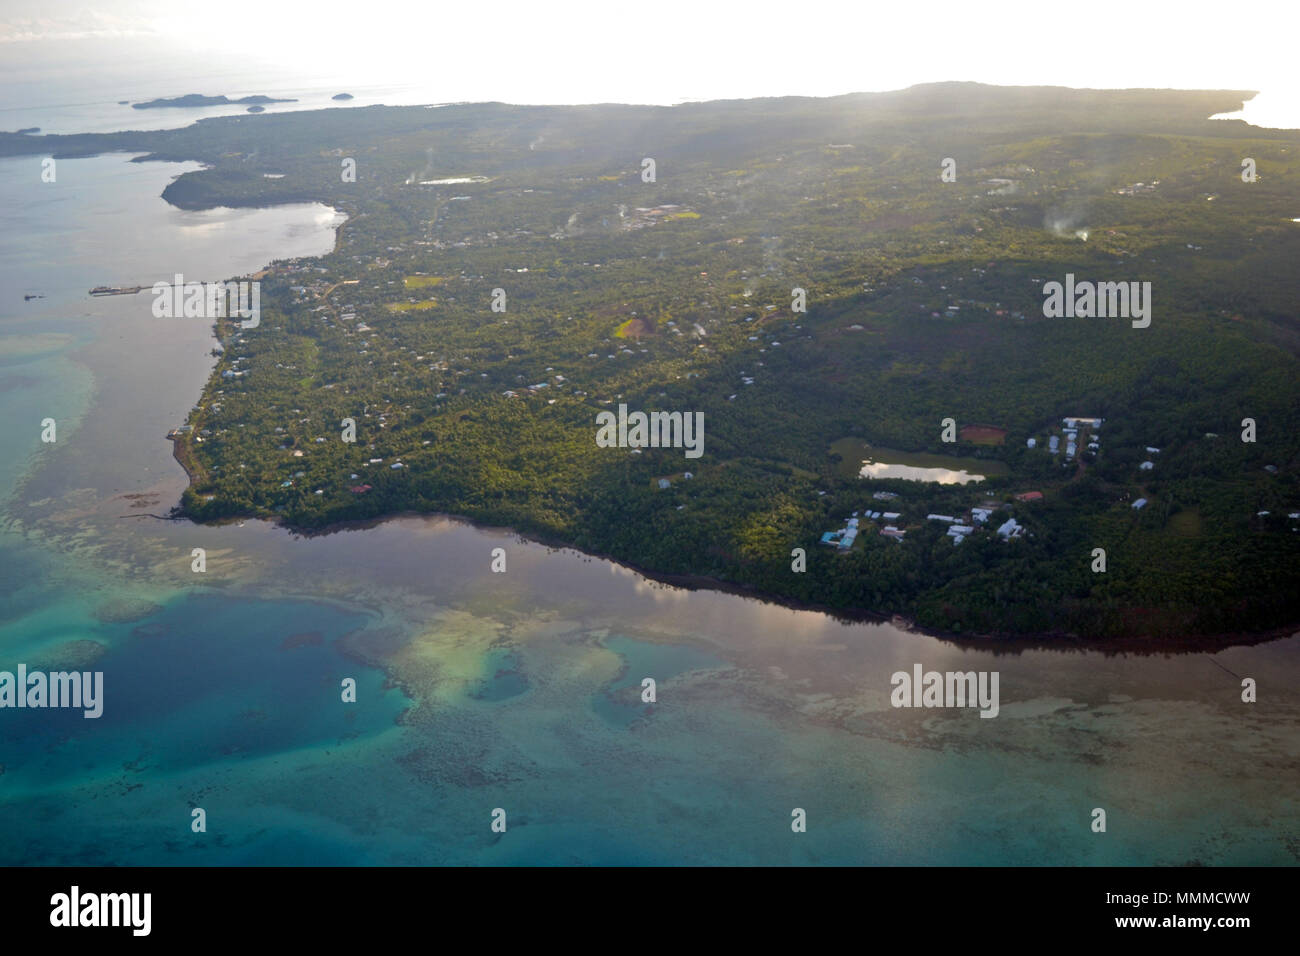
{"x":1136,"y":189}
{"x":843,"y":538}
{"x":1070,"y":431}
{"x":642,"y":216}
{"x":961,"y":528}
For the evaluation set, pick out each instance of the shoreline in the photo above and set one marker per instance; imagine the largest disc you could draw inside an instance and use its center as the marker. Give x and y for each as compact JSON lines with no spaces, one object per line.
{"x":1008,"y":642}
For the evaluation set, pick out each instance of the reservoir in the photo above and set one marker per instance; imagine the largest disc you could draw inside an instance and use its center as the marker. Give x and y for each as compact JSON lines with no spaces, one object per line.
{"x":873,"y":461}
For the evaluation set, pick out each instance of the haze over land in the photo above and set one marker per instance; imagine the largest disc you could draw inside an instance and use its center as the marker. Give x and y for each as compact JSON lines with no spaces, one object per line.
{"x":62,"y":52}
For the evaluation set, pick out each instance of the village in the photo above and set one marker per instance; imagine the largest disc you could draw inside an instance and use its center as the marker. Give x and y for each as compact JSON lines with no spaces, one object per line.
{"x":1070,"y":430}
{"x":986,"y":516}
{"x":977,"y":518}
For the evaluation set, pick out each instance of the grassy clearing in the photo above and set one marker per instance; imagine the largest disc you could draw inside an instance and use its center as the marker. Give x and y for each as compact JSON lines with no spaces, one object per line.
{"x":422,"y":282}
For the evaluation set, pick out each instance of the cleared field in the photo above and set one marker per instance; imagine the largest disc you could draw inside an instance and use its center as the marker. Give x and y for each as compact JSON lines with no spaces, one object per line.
{"x":634,"y":328}
{"x":1185,"y":524}
{"x":982,"y":434}
{"x":422,"y":282}
{"x":411,"y":306}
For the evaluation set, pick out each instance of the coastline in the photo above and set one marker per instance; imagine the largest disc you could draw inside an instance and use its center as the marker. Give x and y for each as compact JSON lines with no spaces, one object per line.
{"x":1012,"y":643}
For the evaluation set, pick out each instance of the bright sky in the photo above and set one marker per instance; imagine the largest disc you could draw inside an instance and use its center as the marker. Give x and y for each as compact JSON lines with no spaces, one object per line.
{"x":664,"y":51}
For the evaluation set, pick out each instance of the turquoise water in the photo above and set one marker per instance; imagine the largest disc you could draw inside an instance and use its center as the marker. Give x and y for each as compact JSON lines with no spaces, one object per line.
{"x":620,"y":702}
{"x":502,"y":678}
{"x":204,"y":679}
{"x":518,"y":691}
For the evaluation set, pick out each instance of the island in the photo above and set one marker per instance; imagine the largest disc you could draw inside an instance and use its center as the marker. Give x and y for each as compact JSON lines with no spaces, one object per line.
{"x":28,"y":130}
{"x":341,"y":96}
{"x":852,"y":295}
{"x":192,"y":100}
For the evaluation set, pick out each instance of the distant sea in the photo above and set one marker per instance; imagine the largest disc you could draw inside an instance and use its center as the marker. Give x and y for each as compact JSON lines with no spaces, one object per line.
{"x":477,"y":691}
{"x":61,"y":94}
{"x":73,"y":108}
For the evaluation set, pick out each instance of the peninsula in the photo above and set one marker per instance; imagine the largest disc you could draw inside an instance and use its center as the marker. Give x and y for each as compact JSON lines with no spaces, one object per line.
{"x":850,"y":292}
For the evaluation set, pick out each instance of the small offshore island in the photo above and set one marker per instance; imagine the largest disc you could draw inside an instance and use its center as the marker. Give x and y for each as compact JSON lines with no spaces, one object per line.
{"x":893,"y":426}
{"x":191,"y":100}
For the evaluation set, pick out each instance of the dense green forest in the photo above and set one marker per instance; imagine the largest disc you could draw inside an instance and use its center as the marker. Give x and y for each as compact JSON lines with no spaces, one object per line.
{"x":924,"y":303}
